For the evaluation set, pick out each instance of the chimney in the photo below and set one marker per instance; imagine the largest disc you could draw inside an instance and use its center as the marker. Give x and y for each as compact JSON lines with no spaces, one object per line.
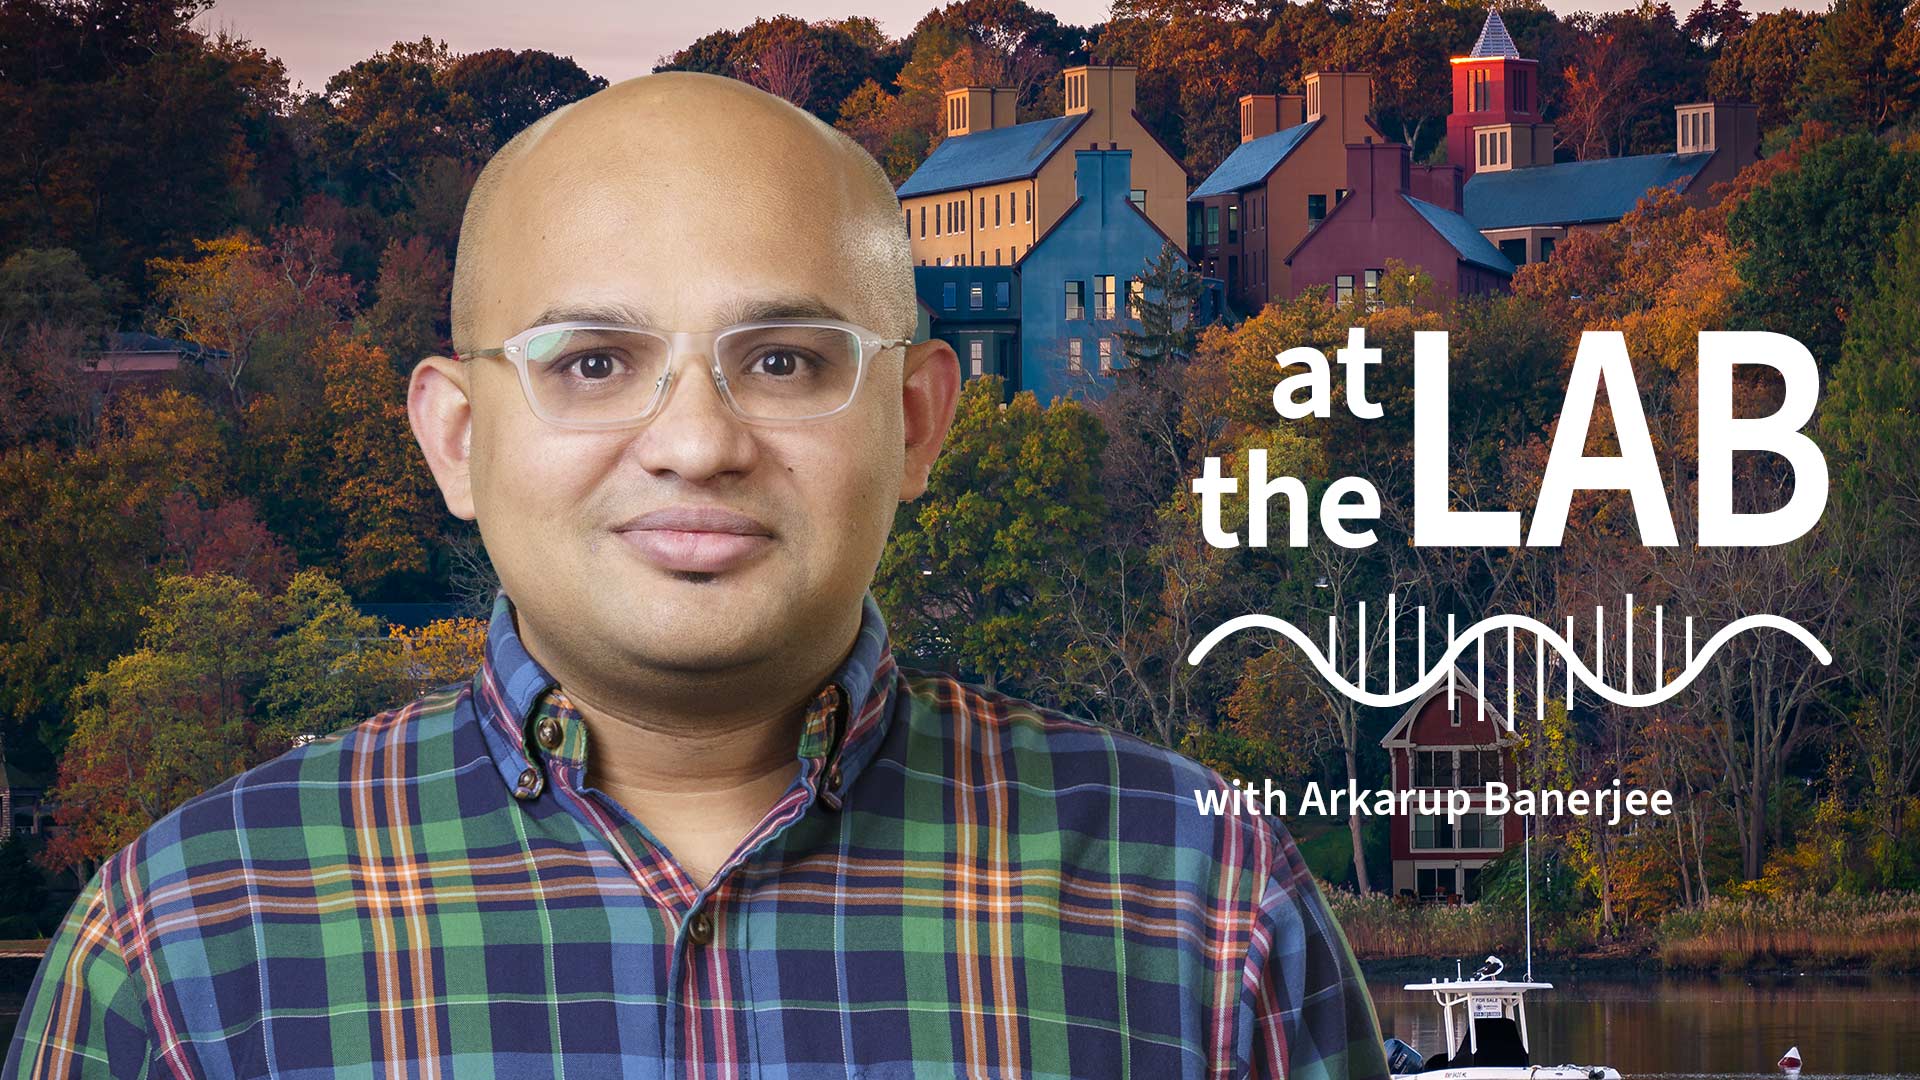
{"x":1441,"y":185}
{"x":979,"y":108}
{"x":1259,"y":115}
{"x":1343,"y":99}
{"x":1376,"y":170}
{"x":1718,"y":126}
{"x":1102,"y":178}
{"x":1264,"y":114}
{"x":1099,"y":88}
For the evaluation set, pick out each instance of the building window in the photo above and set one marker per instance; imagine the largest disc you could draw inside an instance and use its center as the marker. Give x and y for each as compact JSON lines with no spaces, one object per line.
{"x":983,"y":211}
{"x":949,"y":295}
{"x":1103,"y":296}
{"x":923,"y":221}
{"x":1432,"y":832}
{"x":1029,"y":204}
{"x":1138,"y":197}
{"x":1546,"y":248}
{"x":976,"y":357}
{"x":976,"y":296}
{"x":1706,"y":130}
{"x":1136,"y":297}
{"x":1372,"y":282}
{"x":1432,"y":768}
{"x":1076,"y":299}
{"x":1343,"y":290}
{"x":996,"y":256}
{"x":1482,"y":90}
{"x":996,"y":211}
{"x":1196,"y":227}
{"x":1503,"y":148}
{"x":1233,"y":224}
{"x":1213,"y":225}
{"x":1073,"y":356}
{"x":1106,"y":356}
{"x":1515,"y":250}
{"x":1316,"y":210}
{"x":1479,"y":767}
{"x":1002,"y":294}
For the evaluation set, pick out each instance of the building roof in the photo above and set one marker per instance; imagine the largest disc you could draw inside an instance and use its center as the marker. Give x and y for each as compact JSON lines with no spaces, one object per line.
{"x":1494,"y":39}
{"x":1251,"y":162}
{"x":1459,"y":232}
{"x":1573,"y":192}
{"x":990,"y":157}
{"x":133,"y":341}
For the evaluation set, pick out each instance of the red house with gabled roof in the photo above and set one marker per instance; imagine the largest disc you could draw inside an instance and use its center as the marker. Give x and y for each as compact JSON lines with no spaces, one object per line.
{"x":1446,"y":740}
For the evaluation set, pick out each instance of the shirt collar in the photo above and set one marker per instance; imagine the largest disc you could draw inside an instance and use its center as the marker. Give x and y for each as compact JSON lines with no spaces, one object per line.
{"x":515,"y":696}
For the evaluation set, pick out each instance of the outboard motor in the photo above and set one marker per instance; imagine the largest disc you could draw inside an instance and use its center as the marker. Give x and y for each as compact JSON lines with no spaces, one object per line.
{"x":1402,"y":1058}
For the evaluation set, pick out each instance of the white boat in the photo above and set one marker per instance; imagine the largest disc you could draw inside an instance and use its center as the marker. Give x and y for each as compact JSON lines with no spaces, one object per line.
{"x":1485,"y":1020}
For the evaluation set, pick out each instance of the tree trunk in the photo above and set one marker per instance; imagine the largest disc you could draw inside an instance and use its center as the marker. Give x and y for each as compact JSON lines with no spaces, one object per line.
{"x":1353,"y":828}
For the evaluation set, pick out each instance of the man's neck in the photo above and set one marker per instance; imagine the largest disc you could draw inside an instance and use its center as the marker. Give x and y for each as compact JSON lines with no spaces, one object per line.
{"x":699,"y":767}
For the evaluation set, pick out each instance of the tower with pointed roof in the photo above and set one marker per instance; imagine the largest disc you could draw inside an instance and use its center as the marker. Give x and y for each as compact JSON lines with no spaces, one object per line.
{"x":1495,"y":122}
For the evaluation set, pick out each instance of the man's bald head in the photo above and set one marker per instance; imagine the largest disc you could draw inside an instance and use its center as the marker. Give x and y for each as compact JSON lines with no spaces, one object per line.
{"x":722,"y":138}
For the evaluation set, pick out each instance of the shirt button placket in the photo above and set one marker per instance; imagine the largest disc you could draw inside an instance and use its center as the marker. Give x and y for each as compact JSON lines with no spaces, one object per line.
{"x":700,"y":928}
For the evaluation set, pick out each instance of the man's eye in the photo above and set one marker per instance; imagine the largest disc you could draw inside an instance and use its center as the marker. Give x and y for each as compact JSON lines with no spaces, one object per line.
{"x":592,"y":366}
{"x":780,"y":363}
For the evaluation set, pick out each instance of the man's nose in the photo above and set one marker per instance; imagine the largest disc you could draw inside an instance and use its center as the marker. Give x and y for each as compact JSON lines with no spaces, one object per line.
{"x":695,"y":435}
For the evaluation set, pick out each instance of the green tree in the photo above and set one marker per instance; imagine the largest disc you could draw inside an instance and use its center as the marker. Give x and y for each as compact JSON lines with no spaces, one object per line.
{"x":1811,"y":238}
{"x":970,"y":574}
{"x":1870,"y":429}
{"x":1862,"y":69}
{"x":331,"y":665}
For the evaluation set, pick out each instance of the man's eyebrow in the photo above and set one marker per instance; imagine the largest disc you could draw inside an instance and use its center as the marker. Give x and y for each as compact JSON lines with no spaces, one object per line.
{"x":737,"y":311}
{"x":615,"y":312}
{"x":802,"y":307}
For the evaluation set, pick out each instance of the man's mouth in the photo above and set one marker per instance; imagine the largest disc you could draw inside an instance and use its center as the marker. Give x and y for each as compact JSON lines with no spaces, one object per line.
{"x":695,"y":539}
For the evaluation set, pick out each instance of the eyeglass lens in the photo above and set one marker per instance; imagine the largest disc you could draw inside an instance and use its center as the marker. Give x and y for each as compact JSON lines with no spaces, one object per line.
{"x":771,"y":372}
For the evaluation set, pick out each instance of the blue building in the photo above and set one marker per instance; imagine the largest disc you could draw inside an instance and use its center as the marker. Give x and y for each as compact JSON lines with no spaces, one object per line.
{"x":1078,"y":282}
{"x":975,"y":309}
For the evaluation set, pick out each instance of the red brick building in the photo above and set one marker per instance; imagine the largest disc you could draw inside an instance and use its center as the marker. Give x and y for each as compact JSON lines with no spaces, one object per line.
{"x":1396,"y":210}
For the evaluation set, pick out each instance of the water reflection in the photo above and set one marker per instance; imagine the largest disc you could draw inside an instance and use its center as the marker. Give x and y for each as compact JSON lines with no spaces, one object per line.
{"x":1725,"y":1027}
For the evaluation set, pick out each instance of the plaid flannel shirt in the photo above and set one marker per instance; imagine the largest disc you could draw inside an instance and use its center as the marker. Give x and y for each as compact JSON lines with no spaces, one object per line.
{"x":957,"y":883}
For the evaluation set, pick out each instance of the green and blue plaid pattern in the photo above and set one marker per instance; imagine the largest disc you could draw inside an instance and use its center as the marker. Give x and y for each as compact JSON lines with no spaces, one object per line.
{"x":958,"y":883}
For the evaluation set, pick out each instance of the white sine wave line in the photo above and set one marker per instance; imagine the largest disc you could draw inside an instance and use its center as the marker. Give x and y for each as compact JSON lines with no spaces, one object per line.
{"x":1471,"y":637}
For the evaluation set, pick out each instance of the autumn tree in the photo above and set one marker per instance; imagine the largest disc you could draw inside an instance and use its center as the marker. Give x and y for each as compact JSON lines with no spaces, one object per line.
{"x":238,"y":292}
{"x":164,"y":722}
{"x":379,"y":485}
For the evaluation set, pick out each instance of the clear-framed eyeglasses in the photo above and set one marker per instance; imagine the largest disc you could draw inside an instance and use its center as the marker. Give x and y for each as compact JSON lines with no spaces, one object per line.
{"x":596,"y":376}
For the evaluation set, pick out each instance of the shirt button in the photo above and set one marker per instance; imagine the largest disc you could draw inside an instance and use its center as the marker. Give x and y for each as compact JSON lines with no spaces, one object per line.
{"x":529,"y":784}
{"x":549,"y":732}
{"x":700,"y":928}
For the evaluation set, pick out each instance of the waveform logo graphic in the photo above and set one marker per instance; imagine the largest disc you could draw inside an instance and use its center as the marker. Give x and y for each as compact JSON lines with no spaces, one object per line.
{"x":1475,"y":637}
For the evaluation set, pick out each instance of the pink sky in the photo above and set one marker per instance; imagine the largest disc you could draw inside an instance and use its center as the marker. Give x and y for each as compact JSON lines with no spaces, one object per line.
{"x":615,"y":38}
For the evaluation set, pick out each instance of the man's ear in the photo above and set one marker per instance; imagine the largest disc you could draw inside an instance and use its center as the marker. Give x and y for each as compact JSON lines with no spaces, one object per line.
{"x":440,"y":407}
{"x":929,"y":391}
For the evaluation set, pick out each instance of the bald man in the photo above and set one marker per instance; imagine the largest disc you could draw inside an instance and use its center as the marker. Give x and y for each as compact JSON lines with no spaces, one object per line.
{"x":689,"y":818}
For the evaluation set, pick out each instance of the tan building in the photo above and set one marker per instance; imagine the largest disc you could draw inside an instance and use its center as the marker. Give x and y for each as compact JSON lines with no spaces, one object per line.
{"x":1286,"y":176}
{"x":992,"y":187}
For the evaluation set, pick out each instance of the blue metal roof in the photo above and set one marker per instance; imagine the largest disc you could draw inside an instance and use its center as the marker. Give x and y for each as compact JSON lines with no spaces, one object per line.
{"x":990,"y":157}
{"x":1573,"y":192}
{"x":1251,"y":161}
{"x":1466,"y":240}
